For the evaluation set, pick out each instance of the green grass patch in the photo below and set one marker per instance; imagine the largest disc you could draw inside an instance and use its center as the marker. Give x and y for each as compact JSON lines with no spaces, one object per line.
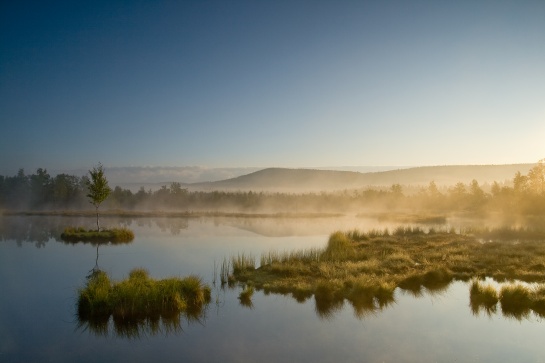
{"x":139,"y":302}
{"x":114,"y":235}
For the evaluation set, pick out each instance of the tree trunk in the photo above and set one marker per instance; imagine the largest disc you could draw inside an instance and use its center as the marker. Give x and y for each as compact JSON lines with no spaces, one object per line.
{"x":98,"y":225}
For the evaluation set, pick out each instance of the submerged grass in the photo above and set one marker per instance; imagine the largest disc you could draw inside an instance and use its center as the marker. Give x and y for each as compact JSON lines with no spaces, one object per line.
{"x":139,"y":301}
{"x":115,"y":235}
{"x":354,"y":263}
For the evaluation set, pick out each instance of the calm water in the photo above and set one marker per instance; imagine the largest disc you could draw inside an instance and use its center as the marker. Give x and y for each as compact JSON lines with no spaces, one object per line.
{"x":40,"y":276}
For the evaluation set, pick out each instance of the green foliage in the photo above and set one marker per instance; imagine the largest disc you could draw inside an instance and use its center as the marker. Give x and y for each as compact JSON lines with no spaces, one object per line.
{"x":98,"y":186}
{"x":140,"y":297}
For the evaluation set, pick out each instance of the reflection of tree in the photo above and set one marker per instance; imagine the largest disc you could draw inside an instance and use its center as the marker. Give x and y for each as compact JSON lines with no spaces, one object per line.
{"x":37,"y":230}
{"x":175,"y":225}
{"x":40,"y":229}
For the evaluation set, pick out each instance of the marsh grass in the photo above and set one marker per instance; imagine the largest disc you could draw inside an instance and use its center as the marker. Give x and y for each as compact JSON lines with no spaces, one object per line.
{"x":114,"y":235}
{"x":242,"y":262}
{"x":409,"y":258}
{"x":140,"y":303}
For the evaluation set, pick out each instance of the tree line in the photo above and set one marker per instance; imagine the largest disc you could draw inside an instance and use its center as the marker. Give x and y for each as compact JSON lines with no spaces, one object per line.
{"x":40,"y":191}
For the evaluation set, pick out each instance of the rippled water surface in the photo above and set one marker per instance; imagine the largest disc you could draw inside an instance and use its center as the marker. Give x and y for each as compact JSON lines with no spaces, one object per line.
{"x":40,"y":276}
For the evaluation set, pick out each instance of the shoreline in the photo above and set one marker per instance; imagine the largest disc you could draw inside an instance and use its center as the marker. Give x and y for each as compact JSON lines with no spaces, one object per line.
{"x":169,"y":214}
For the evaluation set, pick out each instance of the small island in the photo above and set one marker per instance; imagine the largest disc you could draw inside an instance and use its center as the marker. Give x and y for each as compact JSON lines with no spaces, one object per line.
{"x":114,"y":235}
{"x":98,"y":192}
{"x":139,"y":303}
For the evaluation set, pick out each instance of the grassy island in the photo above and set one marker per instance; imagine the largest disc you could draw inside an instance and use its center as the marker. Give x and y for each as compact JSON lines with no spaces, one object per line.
{"x":366,"y":268}
{"x":139,"y":301}
{"x":76,"y":234}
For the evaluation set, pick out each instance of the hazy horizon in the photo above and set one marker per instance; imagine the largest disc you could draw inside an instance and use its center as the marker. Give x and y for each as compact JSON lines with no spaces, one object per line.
{"x":270,"y":84}
{"x":134,"y":177}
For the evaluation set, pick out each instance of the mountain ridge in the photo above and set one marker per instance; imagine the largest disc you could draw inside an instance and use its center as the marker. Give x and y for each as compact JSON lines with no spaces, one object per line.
{"x":302,"y":179}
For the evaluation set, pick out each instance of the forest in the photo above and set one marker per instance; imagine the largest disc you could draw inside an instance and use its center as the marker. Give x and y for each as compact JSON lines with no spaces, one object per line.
{"x":525,"y":195}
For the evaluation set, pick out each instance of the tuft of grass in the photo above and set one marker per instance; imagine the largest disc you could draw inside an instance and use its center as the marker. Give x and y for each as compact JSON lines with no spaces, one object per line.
{"x":242,"y":263}
{"x":339,"y":247}
{"x":140,"y":301}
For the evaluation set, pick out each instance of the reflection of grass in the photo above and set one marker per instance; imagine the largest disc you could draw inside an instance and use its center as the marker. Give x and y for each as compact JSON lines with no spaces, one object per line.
{"x":75,"y":234}
{"x":245,"y":296}
{"x":481,"y":296}
{"x":139,"y":302}
{"x":409,"y":258}
{"x":516,"y":300}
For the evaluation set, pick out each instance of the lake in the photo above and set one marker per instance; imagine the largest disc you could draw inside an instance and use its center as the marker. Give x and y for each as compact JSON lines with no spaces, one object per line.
{"x":40,"y":276}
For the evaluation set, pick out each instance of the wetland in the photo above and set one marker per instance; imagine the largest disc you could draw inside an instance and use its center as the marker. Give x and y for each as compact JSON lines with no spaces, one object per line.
{"x":422,"y":308}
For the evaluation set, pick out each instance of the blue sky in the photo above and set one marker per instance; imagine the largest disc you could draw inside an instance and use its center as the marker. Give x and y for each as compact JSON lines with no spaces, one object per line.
{"x":270,"y":83}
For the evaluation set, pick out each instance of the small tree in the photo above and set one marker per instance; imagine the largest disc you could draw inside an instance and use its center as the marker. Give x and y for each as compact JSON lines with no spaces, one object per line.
{"x":98,"y":188}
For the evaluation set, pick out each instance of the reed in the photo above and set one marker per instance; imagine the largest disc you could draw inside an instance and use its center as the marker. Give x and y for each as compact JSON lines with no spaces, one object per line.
{"x":225,"y":271}
{"x":242,"y":263}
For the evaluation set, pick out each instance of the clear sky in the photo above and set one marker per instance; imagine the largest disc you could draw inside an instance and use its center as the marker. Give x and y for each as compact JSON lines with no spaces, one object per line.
{"x":270,"y":83}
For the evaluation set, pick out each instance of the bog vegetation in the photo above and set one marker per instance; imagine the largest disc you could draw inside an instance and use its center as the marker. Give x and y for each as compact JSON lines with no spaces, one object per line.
{"x":139,"y":303}
{"x":365,"y":268}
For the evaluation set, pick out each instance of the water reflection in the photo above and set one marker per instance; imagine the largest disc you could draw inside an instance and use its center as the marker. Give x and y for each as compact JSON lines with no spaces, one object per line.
{"x":41,"y":229}
{"x":517,"y":300}
{"x":365,"y":302}
{"x":140,"y":327}
{"x":139,"y":306}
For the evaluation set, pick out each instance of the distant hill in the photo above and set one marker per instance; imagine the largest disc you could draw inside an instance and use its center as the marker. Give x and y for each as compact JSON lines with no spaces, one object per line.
{"x":297,"y":180}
